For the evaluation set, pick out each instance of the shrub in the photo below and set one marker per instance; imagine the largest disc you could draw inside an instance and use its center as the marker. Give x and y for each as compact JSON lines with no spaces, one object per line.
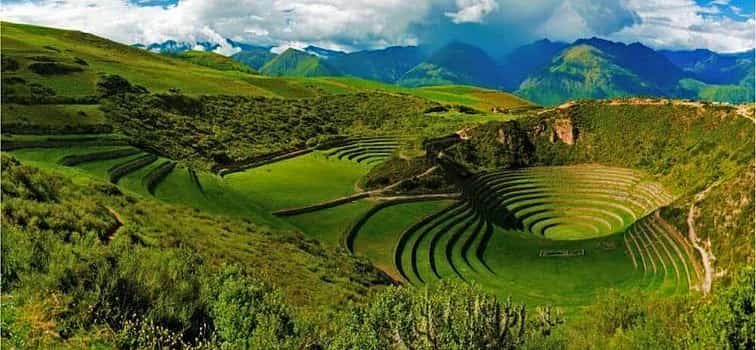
{"x":113,"y":84}
{"x":248,"y":314}
{"x":9,"y":64}
{"x":53,"y":68}
{"x":448,"y":316}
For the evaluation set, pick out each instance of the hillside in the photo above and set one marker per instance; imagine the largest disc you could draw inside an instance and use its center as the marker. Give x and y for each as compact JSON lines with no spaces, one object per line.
{"x":295,"y":63}
{"x":455,"y":63}
{"x":526,"y":60}
{"x":714,"y":68}
{"x":255,"y":58}
{"x":597,"y":68}
{"x":51,"y":76}
{"x":386,"y":65}
{"x":70,"y":63}
{"x":212,"y":60}
{"x":711,"y":149}
{"x":584,"y":71}
{"x":179,"y":201}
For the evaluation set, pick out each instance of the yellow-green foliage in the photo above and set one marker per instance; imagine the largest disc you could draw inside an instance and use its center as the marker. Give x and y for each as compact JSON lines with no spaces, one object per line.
{"x":72,"y":118}
{"x":64,"y":237}
{"x":212,"y":60}
{"x":25,"y":43}
{"x":225,"y":129}
{"x":724,"y":217}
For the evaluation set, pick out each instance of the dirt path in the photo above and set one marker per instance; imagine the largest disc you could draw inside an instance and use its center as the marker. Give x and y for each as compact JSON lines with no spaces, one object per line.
{"x":400,"y":182}
{"x":360,"y":194}
{"x":433,"y":196}
{"x":111,"y":233}
{"x":704,"y":248}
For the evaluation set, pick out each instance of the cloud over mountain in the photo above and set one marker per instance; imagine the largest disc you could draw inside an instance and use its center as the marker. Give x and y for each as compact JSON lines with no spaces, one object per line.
{"x":496,"y":25}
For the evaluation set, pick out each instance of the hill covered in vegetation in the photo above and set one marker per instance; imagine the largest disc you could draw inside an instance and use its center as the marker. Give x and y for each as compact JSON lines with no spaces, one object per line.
{"x":688,"y":147}
{"x":295,"y":63}
{"x":341,"y":213}
{"x":455,"y":63}
{"x":212,"y":60}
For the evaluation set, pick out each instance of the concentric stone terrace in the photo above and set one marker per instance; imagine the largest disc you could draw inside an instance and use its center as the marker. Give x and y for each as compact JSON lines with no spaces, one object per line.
{"x":579,"y":227}
{"x":367,"y":150}
{"x":566,"y":202}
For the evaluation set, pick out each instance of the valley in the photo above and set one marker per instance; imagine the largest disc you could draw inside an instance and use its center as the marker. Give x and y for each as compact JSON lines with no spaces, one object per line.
{"x":161,"y":200}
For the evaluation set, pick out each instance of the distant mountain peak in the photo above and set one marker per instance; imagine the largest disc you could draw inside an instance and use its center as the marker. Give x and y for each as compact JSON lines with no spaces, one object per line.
{"x":323,"y":53}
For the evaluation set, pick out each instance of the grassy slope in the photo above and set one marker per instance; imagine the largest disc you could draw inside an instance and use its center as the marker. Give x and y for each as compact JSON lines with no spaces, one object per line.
{"x":471,"y":96}
{"x":73,"y":116}
{"x":158,"y":73}
{"x":251,"y":194}
{"x":154,"y":71}
{"x":582,"y":72}
{"x":378,"y":237}
{"x":212,"y":60}
{"x":288,"y":261}
{"x":298,"y":182}
{"x":295,"y":63}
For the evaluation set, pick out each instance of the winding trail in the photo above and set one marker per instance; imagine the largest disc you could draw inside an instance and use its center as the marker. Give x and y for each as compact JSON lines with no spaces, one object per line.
{"x":350,"y":198}
{"x":119,"y":220}
{"x":704,"y":248}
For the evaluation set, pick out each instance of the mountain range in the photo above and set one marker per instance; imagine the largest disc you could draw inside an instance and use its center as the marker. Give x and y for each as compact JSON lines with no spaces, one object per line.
{"x":544,"y":71}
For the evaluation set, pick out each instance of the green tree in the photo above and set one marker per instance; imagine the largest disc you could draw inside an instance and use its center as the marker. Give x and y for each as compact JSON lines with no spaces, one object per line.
{"x":450,"y":316}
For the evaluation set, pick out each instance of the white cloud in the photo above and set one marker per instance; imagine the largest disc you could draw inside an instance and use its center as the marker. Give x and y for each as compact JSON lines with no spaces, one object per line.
{"x":359,"y":24}
{"x":344,"y":23}
{"x":683,"y":24}
{"x":472,"y":10}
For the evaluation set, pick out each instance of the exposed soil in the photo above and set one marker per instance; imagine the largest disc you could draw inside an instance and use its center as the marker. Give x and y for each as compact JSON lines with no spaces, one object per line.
{"x":704,"y":248}
{"x":119,"y":223}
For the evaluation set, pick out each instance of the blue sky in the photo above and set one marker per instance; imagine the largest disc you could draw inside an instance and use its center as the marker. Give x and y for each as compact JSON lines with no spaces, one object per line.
{"x":495,"y":25}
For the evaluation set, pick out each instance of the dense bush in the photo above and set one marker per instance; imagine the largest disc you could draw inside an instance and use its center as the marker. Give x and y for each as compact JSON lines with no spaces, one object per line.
{"x":164,"y":279}
{"x":394,"y":170}
{"x":448,"y":316}
{"x":53,"y":68}
{"x":9,"y":64}
{"x":685,"y":147}
{"x":723,"y":320}
{"x":213,"y":130}
{"x":113,"y":84}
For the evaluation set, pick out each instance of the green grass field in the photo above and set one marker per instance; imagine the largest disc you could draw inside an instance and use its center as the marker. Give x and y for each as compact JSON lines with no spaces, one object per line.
{"x":52,"y":115}
{"x":252,"y":194}
{"x":572,"y":232}
{"x":471,"y":96}
{"x":297,"y":182}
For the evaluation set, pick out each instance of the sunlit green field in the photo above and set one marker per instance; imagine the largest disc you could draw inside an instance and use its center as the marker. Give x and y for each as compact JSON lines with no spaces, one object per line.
{"x":456,"y":244}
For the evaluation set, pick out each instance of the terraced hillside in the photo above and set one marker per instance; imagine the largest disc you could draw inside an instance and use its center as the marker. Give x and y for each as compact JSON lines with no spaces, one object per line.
{"x":567,"y":202}
{"x":578,"y":220}
{"x":369,"y":150}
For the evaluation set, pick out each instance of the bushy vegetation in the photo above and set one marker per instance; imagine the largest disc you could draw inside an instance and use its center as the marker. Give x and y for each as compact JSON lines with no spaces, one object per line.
{"x":723,"y":217}
{"x":635,"y":320}
{"x":217,"y":130}
{"x":686,"y":147}
{"x":395,"y":170}
{"x":212,"y":60}
{"x":448,"y":316}
{"x":155,"y":280}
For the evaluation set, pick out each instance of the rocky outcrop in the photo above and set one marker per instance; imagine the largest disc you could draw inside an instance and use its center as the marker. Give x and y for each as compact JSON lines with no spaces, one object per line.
{"x":565,"y":131}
